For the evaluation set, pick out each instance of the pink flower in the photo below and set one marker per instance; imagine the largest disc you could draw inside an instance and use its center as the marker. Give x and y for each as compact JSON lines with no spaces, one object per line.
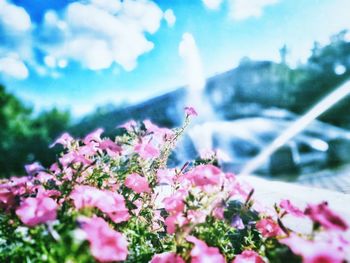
{"x":14,"y":187}
{"x":165,"y":176}
{"x":324,"y":216}
{"x":159,"y":132}
{"x":290,"y":208}
{"x":146,"y":150}
{"x":137,"y":183}
{"x":312,"y":251}
{"x":7,"y":197}
{"x":111,"y":203}
{"x":203,"y":175}
{"x":87,"y":150}
{"x":196,"y":216}
{"x":32,"y":169}
{"x":42,"y":192}
{"x":43,"y":177}
{"x":110,"y":147}
{"x":175,"y":203}
{"x":175,"y":220}
{"x":248,"y":256}
{"x":65,"y":139}
{"x":106,"y":244}
{"x":167,"y":257}
{"x":201,"y":253}
{"x":73,"y":157}
{"x":236,"y":187}
{"x":129,"y":126}
{"x":218,"y":212}
{"x":34,"y":211}
{"x":190,"y":111}
{"x":93,"y":136}
{"x":268,"y":227}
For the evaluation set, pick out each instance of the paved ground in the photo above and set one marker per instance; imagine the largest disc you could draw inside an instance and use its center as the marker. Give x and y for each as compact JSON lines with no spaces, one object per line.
{"x":337,"y":179}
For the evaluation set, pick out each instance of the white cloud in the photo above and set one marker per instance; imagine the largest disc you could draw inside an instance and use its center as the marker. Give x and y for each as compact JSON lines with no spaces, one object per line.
{"x":213,"y":4}
{"x":243,"y":9}
{"x":100,"y":32}
{"x":111,"y":6}
{"x":15,"y":40}
{"x":170,"y":17}
{"x":14,"y":17}
{"x":13,"y":67}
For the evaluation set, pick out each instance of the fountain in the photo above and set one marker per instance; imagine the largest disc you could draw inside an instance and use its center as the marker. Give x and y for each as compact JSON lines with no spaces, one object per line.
{"x":196,"y":98}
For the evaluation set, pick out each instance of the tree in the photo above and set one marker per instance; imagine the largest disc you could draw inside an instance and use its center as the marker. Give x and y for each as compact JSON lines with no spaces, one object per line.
{"x":24,"y":137}
{"x":326,"y":69}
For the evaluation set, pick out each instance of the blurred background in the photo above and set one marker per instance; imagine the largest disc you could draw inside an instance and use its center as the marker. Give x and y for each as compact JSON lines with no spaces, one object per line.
{"x":249,"y":67}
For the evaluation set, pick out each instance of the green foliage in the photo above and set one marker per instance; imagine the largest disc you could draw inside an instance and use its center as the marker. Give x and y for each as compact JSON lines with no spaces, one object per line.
{"x":280,"y":253}
{"x":23,"y":244}
{"x":319,"y":77}
{"x":217,"y":233}
{"x":25,"y":137}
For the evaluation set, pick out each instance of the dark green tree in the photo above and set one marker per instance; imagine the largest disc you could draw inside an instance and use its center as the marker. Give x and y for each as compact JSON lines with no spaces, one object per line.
{"x":327,"y":68}
{"x":24,"y":138}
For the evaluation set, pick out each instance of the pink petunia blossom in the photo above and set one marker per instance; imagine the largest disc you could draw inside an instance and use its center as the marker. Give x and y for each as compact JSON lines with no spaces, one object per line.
{"x":34,"y":211}
{"x":55,"y":168}
{"x":106,"y":244}
{"x":65,"y":139}
{"x":111,"y":203}
{"x":313,"y":251}
{"x":203,"y":175}
{"x":201,"y":253}
{"x":88,"y":150}
{"x":268,"y":227}
{"x":137,"y":183}
{"x":43,"y":177}
{"x":166,"y":176}
{"x":324,"y":216}
{"x":129,"y":126}
{"x":93,"y":136}
{"x":175,"y":220}
{"x":196,"y":216}
{"x":32,"y":169}
{"x":146,"y":150}
{"x":237,"y":188}
{"x":42,"y":192}
{"x":72,"y":158}
{"x":110,"y":147}
{"x":7,"y":197}
{"x":175,"y":203}
{"x":190,"y":111}
{"x":291,"y":209}
{"x":14,"y":187}
{"x":218,"y":212}
{"x":248,"y":256}
{"x":167,"y":257}
{"x":159,"y":132}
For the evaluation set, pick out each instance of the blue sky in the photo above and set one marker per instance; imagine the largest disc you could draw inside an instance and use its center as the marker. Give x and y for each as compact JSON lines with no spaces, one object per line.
{"x":80,"y":54}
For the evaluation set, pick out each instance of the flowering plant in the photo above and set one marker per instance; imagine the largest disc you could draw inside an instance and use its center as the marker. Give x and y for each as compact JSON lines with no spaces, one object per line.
{"x":116,"y":200}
